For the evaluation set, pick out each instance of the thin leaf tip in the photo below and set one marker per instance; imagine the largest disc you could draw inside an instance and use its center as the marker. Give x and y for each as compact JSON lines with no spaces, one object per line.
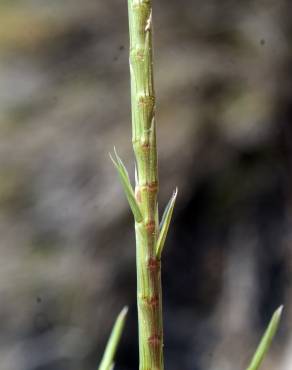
{"x":165,"y":222}
{"x":266,"y":340}
{"x":279,"y":310}
{"x":124,"y":311}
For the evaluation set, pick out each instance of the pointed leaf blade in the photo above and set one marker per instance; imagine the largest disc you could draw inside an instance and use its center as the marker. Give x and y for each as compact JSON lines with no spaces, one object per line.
{"x":164,"y":225}
{"x":165,"y":212}
{"x":107,"y":362}
{"x":266,"y":340}
{"x":124,"y":177}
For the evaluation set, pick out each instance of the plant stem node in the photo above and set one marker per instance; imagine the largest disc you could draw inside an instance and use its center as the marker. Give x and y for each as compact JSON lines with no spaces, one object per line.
{"x":153,"y":265}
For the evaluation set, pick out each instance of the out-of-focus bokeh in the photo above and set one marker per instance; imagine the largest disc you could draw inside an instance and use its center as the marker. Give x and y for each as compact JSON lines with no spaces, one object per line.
{"x":223,"y":72}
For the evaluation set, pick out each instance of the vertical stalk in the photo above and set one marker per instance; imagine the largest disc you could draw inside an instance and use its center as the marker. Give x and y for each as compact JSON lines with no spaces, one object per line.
{"x":150,"y":236}
{"x":146,"y":189}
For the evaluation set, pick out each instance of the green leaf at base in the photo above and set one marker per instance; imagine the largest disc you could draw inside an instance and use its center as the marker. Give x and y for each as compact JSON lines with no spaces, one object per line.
{"x":266,"y":340}
{"x":107,"y":362}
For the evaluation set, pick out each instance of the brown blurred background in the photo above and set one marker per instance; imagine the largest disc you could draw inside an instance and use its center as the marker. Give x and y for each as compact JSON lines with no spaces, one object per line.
{"x":223,"y":74}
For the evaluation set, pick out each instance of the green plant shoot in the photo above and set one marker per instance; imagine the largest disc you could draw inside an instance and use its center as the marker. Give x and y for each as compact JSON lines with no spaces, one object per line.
{"x":107,"y":362}
{"x":266,"y":340}
{"x":150,"y":233}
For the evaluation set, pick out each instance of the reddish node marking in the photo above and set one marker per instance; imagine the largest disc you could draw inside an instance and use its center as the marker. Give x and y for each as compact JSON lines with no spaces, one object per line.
{"x":152,"y":301}
{"x":145,"y":146}
{"x":150,"y":226}
{"x":153,"y":264}
{"x":152,"y":186}
{"x":154,"y":340}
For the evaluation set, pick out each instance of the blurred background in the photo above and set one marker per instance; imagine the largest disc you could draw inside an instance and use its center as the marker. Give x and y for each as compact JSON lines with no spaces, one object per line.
{"x":223,"y":72}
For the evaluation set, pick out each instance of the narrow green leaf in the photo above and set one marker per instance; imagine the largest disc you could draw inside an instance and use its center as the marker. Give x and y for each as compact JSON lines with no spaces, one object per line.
{"x":107,"y":362}
{"x":124,"y":177}
{"x":266,"y":340}
{"x":164,"y":225}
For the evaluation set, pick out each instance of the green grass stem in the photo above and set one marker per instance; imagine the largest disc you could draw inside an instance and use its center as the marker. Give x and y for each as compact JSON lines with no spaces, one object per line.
{"x":149,"y":299}
{"x":150,"y":234}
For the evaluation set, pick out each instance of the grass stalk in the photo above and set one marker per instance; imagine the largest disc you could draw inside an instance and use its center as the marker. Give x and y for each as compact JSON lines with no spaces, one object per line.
{"x":150,"y":235}
{"x":149,"y":298}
